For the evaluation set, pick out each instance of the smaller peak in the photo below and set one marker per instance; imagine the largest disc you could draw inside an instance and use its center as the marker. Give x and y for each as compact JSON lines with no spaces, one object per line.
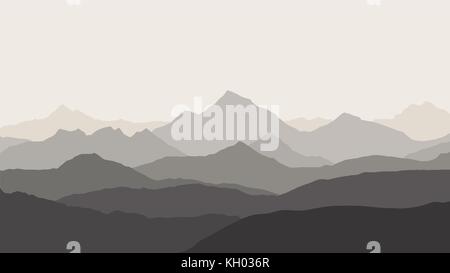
{"x":240,"y":144}
{"x":424,"y":108}
{"x":348,"y":117}
{"x":238,"y":147}
{"x":232,"y":98}
{"x":424,"y":105}
{"x":82,"y":158}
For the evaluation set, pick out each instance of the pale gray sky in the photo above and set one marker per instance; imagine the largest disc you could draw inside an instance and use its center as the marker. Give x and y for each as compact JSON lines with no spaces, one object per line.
{"x":136,"y":59}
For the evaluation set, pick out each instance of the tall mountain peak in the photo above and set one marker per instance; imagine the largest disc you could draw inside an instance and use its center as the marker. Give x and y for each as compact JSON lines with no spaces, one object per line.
{"x":231,"y":98}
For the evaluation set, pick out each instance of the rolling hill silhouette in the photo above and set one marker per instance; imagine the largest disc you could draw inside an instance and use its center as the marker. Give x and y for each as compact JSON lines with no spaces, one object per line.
{"x":111,"y":144}
{"x":30,"y":224}
{"x":336,"y":229}
{"x":66,"y":119}
{"x":350,"y":137}
{"x":181,"y":201}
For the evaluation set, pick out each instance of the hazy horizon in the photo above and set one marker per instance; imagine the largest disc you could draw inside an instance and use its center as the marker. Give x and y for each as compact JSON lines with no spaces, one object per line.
{"x":135,"y":60}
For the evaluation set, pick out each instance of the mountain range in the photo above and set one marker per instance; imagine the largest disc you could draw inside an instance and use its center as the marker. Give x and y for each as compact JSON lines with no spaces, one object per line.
{"x":112,"y":144}
{"x":344,"y":138}
{"x":257,"y":171}
{"x":431,"y":152}
{"x":30,"y":224}
{"x":64,"y":118}
{"x":6,"y":142}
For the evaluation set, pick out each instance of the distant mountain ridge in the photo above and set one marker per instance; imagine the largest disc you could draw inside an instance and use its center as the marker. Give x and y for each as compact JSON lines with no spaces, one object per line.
{"x":66,"y":119}
{"x":421,"y":122}
{"x":344,"y":138}
{"x":401,"y":189}
{"x":308,"y":125}
{"x":182,"y":201}
{"x":109,"y":143}
{"x":431,"y":152}
{"x":240,"y":164}
{"x":286,"y":156}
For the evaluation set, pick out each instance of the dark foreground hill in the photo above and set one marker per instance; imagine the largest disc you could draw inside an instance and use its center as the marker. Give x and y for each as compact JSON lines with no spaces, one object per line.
{"x":337,"y":229}
{"x":30,"y":224}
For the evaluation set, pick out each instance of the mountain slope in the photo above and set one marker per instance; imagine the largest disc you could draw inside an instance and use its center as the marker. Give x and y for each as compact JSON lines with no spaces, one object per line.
{"x":182,"y":201}
{"x":111,"y":144}
{"x":403,"y":189}
{"x":286,"y":156}
{"x":308,"y":125}
{"x":30,"y":224}
{"x":431,"y":152}
{"x":6,"y":142}
{"x":70,"y":120}
{"x":283,"y":154}
{"x":336,"y":229}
